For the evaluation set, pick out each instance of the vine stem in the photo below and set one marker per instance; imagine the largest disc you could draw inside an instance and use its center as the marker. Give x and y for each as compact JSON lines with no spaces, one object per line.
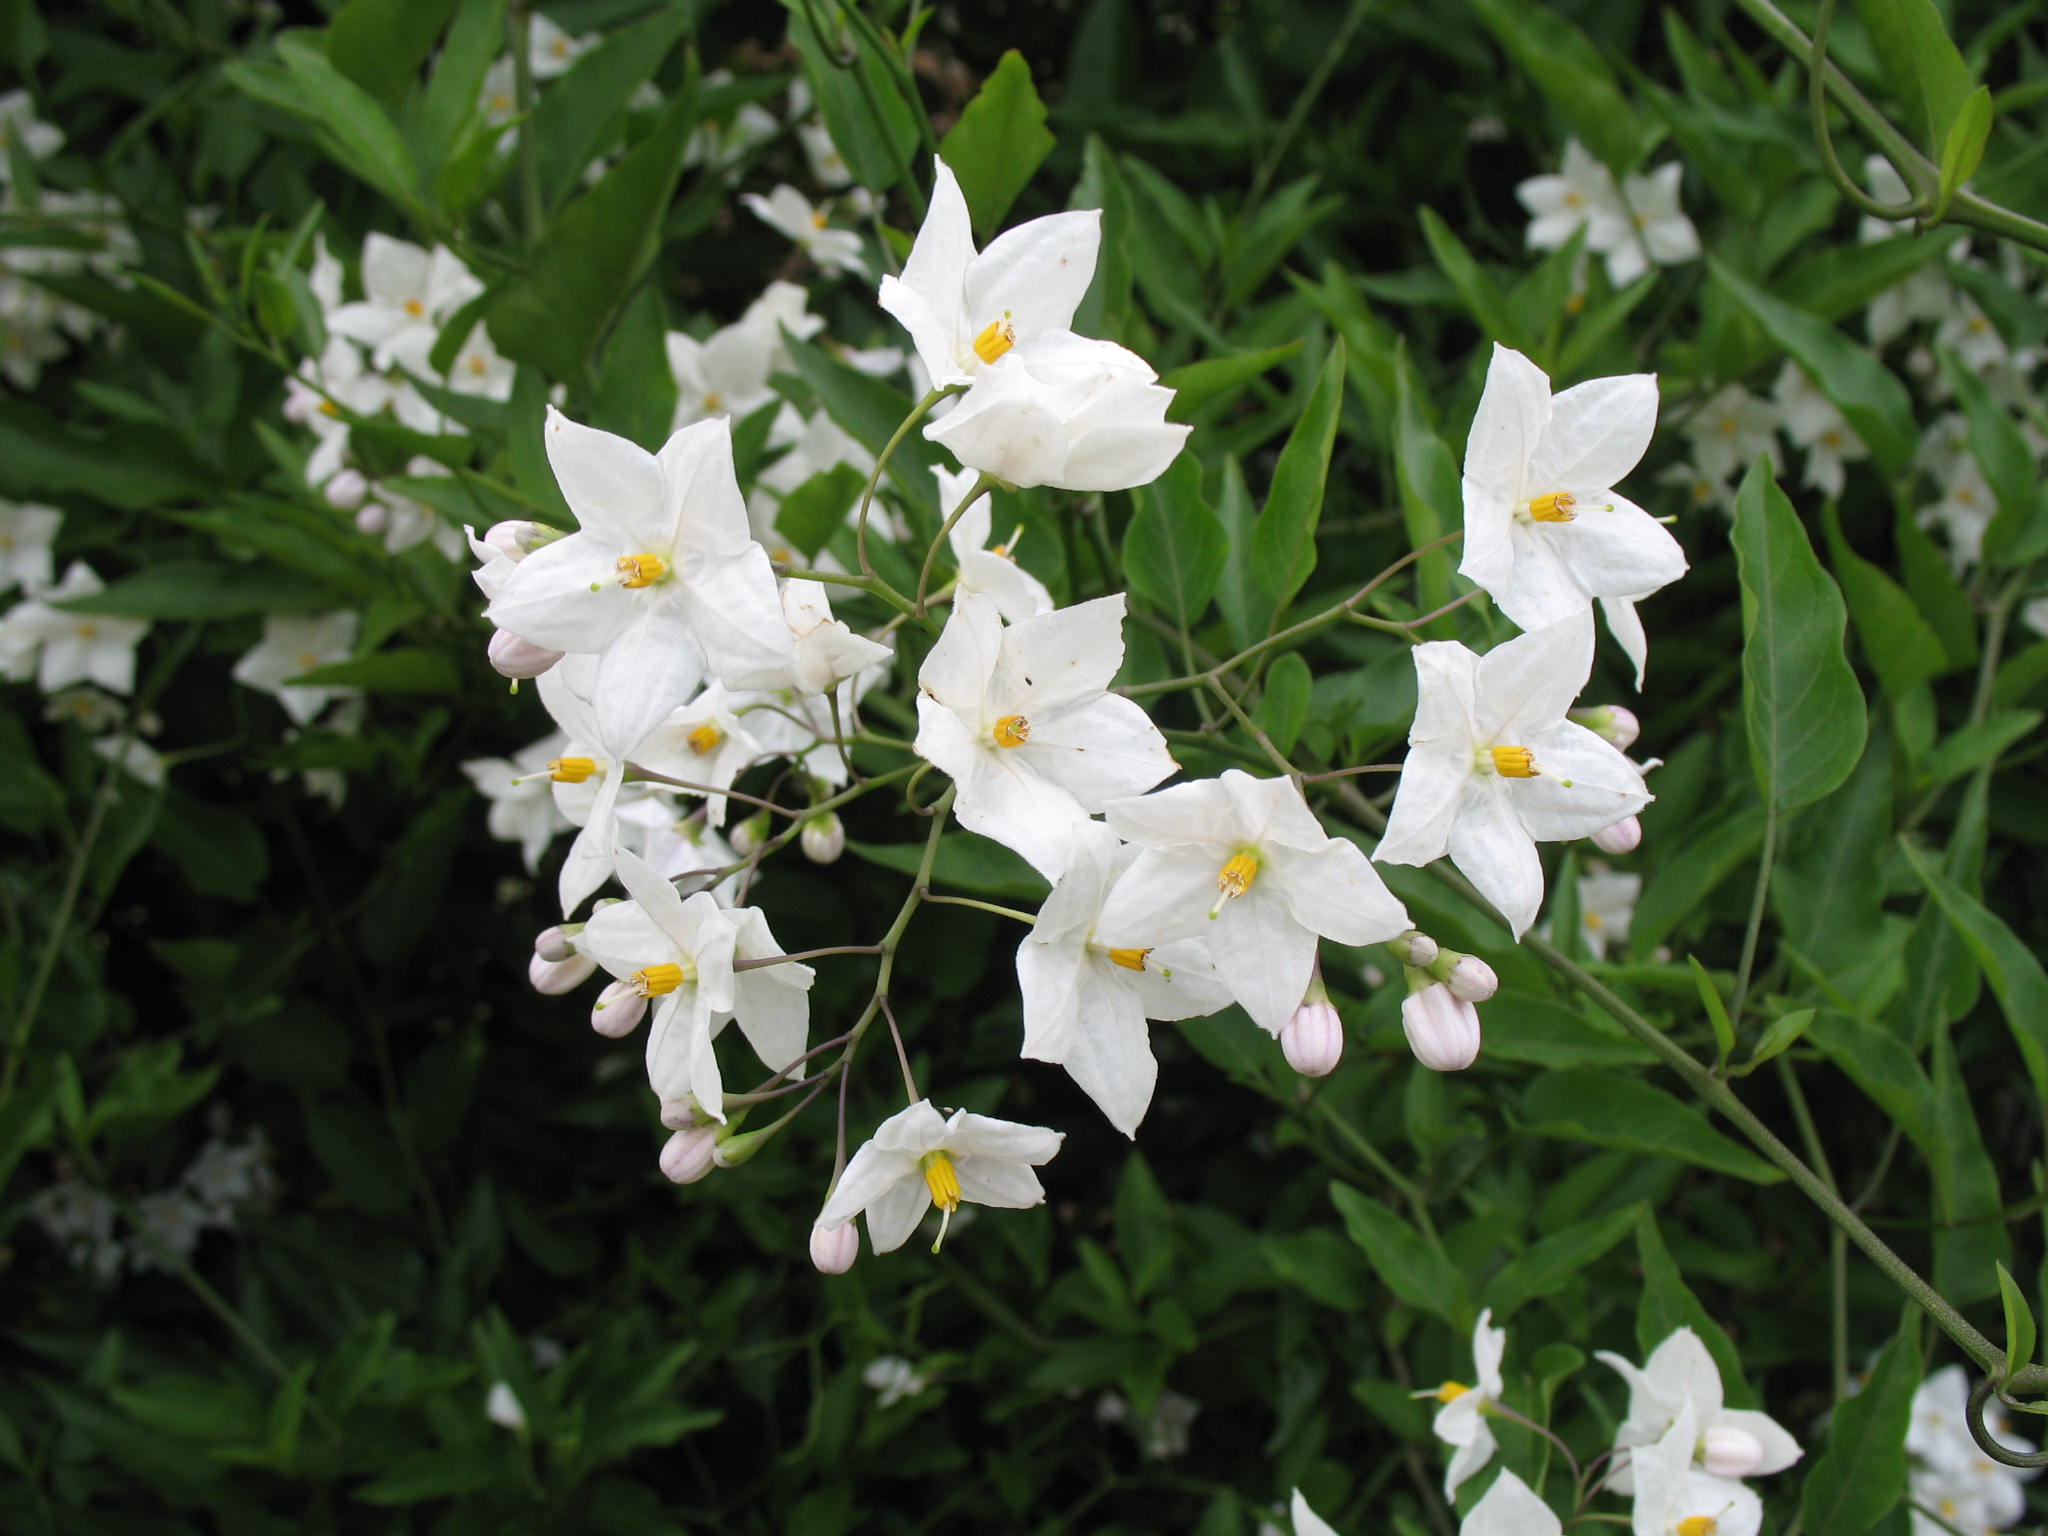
{"x":918,"y":412}
{"x":981,"y":488}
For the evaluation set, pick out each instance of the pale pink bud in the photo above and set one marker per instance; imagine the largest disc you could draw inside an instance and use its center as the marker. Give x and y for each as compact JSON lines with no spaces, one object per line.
{"x":1618,"y":726}
{"x":1623,"y":837}
{"x":1416,"y":949}
{"x":1313,"y":1040}
{"x":555,"y":977}
{"x":823,"y":838}
{"x":750,"y":834}
{"x":679,"y":1114}
{"x":372,"y":518}
{"x":1442,"y":1030}
{"x":513,"y":539}
{"x":345,"y":490}
{"x":554,"y":944}
{"x":511,"y":656}
{"x":619,"y":1007}
{"x":1729,"y":1452}
{"x":833,"y":1249}
{"x":1471,"y":979}
{"x":687,"y":1157}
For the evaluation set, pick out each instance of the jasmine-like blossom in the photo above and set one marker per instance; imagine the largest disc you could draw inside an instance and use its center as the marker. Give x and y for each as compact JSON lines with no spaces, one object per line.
{"x":1681,"y":1382}
{"x":789,"y":212}
{"x":59,"y":647}
{"x":294,"y":644}
{"x":1461,"y":1422}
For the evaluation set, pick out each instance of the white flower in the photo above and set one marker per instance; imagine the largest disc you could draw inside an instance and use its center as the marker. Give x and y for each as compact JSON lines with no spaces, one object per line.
{"x":704,"y":742}
{"x":916,"y":1159}
{"x":726,"y":374}
{"x":480,"y":368}
{"x":1673,"y":1499}
{"x":138,"y":759}
{"x":1582,"y":191}
{"x":789,"y":212}
{"x":661,"y":577}
{"x":295,"y":643}
{"x":318,"y":394}
{"x":1812,"y":421}
{"x":73,"y":647}
{"x":19,"y":124}
{"x":501,"y":1406}
{"x":81,"y":1219}
{"x":827,"y":652}
{"x":1654,"y":229}
{"x":1019,"y":717}
{"x":1494,"y":767}
{"x":1510,"y":1508}
{"x":1681,"y":1381}
{"x":26,"y":533}
{"x":1018,"y":594}
{"x":169,"y":1223}
{"x":549,"y":50}
{"x":1305,"y":1520}
{"x":1442,"y":1028}
{"x":1244,"y":863}
{"x":1607,"y":905}
{"x":1964,"y":512}
{"x":893,"y":1379}
{"x":1730,"y":429}
{"x":1545,"y":531}
{"x":1461,"y":1421}
{"x":1086,"y":997}
{"x":828,"y":166}
{"x":1969,"y":333}
{"x":410,"y":293}
{"x":226,"y":1177}
{"x":522,"y":803}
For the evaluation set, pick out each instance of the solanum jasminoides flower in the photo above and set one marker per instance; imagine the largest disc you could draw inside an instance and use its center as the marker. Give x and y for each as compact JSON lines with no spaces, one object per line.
{"x":1019,"y":717}
{"x":59,"y":647}
{"x":294,"y":644}
{"x":1680,"y":1377}
{"x":1674,"y":1498}
{"x":1461,"y":1421}
{"x":916,"y":1159}
{"x":1545,"y":532}
{"x":1510,"y":1508}
{"x":1494,"y":767}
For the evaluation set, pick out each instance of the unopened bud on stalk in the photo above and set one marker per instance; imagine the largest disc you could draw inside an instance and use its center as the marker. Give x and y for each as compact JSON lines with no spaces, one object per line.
{"x":1313,"y":1039}
{"x":511,"y":656}
{"x":1414,"y":949}
{"x":823,"y":838}
{"x":518,"y":538}
{"x":679,"y":1114}
{"x":833,"y":1249}
{"x":372,"y":518}
{"x":345,"y":490}
{"x":1616,"y":725}
{"x":750,"y":834}
{"x":1442,"y":1030}
{"x":1729,"y":1452}
{"x":688,"y":1155}
{"x":555,"y":977}
{"x":558,"y":943}
{"x":618,"y":1009}
{"x":1625,"y":836}
{"x":736,"y":1146}
{"x":1469,"y":978}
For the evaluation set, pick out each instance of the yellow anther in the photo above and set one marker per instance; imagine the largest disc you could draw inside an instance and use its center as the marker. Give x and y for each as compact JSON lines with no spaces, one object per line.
{"x":704,"y":738}
{"x":656,"y":980}
{"x":713,"y":403}
{"x":571,"y":770}
{"x":1554,"y":508}
{"x":942,"y":1180}
{"x":1514,"y":763}
{"x":1595,"y":921}
{"x":1235,"y":878}
{"x":1012,"y":731}
{"x":329,"y":408}
{"x":996,"y":339}
{"x":415,"y":308}
{"x":1698,"y":1525}
{"x":1129,"y":959}
{"x":478,"y":364}
{"x":1450,"y":1391}
{"x":1009,"y":550}
{"x":818,"y":219}
{"x":642,"y":570}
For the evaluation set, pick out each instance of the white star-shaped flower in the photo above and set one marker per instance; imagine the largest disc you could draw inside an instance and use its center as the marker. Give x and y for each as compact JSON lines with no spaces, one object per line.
{"x":1018,"y":594}
{"x":293,"y":644}
{"x":1681,"y":1376}
{"x":1672,"y":1496}
{"x":916,"y":1159}
{"x":62,"y":647}
{"x":26,"y":533}
{"x":410,"y":293}
{"x":1461,"y":1422}
{"x":522,"y":801}
{"x":789,"y":212}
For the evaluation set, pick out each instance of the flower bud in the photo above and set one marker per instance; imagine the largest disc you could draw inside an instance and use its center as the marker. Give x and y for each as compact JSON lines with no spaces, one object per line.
{"x":372,"y":518}
{"x":688,"y":1155}
{"x":554,"y":977}
{"x":1414,"y":949}
{"x":833,"y":1249}
{"x":1614,"y":724}
{"x":515,"y":539}
{"x":1313,"y":1039}
{"x":823,"y":838}
{"x":1442,"y":1030}
{"x":558,"y":943}
{"x":618,"y":1009}
{"x":1729,"y":1452}
{"x":1470,"y":979}
{"x":345,"y":490}
{"x":680,"y":1114}
{"x":750,"y":834}
{"x":1623,"y":837}
{"x":511,"y":656}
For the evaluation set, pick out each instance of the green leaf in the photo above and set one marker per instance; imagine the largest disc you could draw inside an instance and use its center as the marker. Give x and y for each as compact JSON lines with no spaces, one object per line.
{"x":1972,"y":746}
{"x":965,"y":862}
{"x":1935,"y":590}
{"x":1569,"y":70}
{"x":380,"y":44}
{"x":2009,"y":965}
{"x":1551,"y":1263}
{"x":2019,"y":1325}
{"x":1219,"y":378}
{"x":1668,"y":1304}
{"x":818,"y":508}
{"x":1683,"y":880}
{"x":1717,"y":1011}
{"x":1144,"y":1227}
{"x":1903,"y":649}
{"x":1923,"y":65}
{"x":1784,"y":1032}
{"x":1284,"y":538}
{"x":584,"y":267}
{"x":1862,"y":388}
{"x":1175,"y":548}
{"x":1962,"y":148}
{"x":1283,"y":710}
{"x":870,"y":410}
{"x":199,"y":589}
{"x":1246,"y":610}
{"x":1482,"y":297}
{"x":858,"y":96}
{"x":998,"y":143}
{"x":1320,"y":1263}
{"x":1428,"y":480}
{"x":1883,"y":1066}
{"x":1605,"y":1109}
{"x":577,"y":115}
{"x":1413,"y":1270}
{"x":367,"y":142}
{"x":404,"y":670}
{"x":1862,"y":1473}
{"x":1800,"y":702}
{"x":454,"y":94}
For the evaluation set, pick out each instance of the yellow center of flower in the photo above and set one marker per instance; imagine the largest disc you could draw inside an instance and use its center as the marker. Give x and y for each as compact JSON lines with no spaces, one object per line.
{"x":329,"y":408}
{"x":571,"y":770}
{"x":1129,"y":959}
{"x":559,"y":47}
{"x":415,"y":308}
{"x":1595,"y":921}
{"x":704,"y":738}
{"x":1514,"y":762}
{"x":1012,"y":731}
{"x":1450,"y":1391}
{"x":642,"y":570}
{"x":87,"y":630}
{"x":656,"y":980}
{"x":1979,"y":325}
{"x":1554,"y":508}
{"x":1698,"y":1525}
{"x":501,"y":103}
{"x":307,"y":661}
{"x":478,"y":365}
{"x":996,"y":339}
{"x":1235,"y":878}
{"x":713,"y":403}
{"x":1009,"y":550}
{"x":818,"y":219}
{"x":943,"y":1181}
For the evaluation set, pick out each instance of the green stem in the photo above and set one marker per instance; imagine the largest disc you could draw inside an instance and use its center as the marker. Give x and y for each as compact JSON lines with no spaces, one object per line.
{"x":1332,"y":55}
{"x":1838,"y":1257}
{"x":1918,"y":205}
{"x":982,"y":487}
{"x":518,"y":22}
{"x":918,"y":412}
{"x":1758,"y":902}
{"x":981,"y":906}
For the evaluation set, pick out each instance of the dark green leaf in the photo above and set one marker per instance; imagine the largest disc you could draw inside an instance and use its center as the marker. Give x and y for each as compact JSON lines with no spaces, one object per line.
{"x":1862,"y":1473}
{"x":1174,"y":549}
{"x":1414,"y":1271}
{"x":1962,"y":148}
{"x":1606,"y":1109}
{"x":1551,"y":1263}
{"x":380,"y":44}
{"x":1219,"y":378}
{"x":199,"y":589}
{"x":578,"y":115}
{"x":1923,"y":65}
{"x":998,"y":143}
{"x":1283,"y":710}
{"x":1284,"y":538}
{"x":404,"y":670}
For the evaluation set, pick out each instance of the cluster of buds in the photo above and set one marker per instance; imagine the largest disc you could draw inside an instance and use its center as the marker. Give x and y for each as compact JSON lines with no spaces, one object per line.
{"x":1438,"y":1015}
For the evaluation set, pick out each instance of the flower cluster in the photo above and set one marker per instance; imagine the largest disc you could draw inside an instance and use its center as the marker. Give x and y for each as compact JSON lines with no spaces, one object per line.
{"x":1633,"y":224}
{"x":1953,"y":1483}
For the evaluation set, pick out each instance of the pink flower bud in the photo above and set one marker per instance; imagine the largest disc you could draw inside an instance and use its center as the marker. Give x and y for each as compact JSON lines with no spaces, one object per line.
{"x":555,"y":944}
{"x":1613,"y":724}
{"x":833,"y":1249}
{"x":1471,"y":979}
{"x":679,"y":1114}
{"x":345,"y":490}
{"x":554,"y":977}
{"x":513,"y":539}
{"x":823,"y":838}
{"x":1416,"y":949}
{"x":619,"y":1007}
{"x":1729,"y":1452}
{"x":687,"y":1157}
{"x":511,"y":656}
{"x":1442,"y":1030}
{"x":1623,"y":837}
{"x":372,"y":518}
{"x":1313,"y":1040}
